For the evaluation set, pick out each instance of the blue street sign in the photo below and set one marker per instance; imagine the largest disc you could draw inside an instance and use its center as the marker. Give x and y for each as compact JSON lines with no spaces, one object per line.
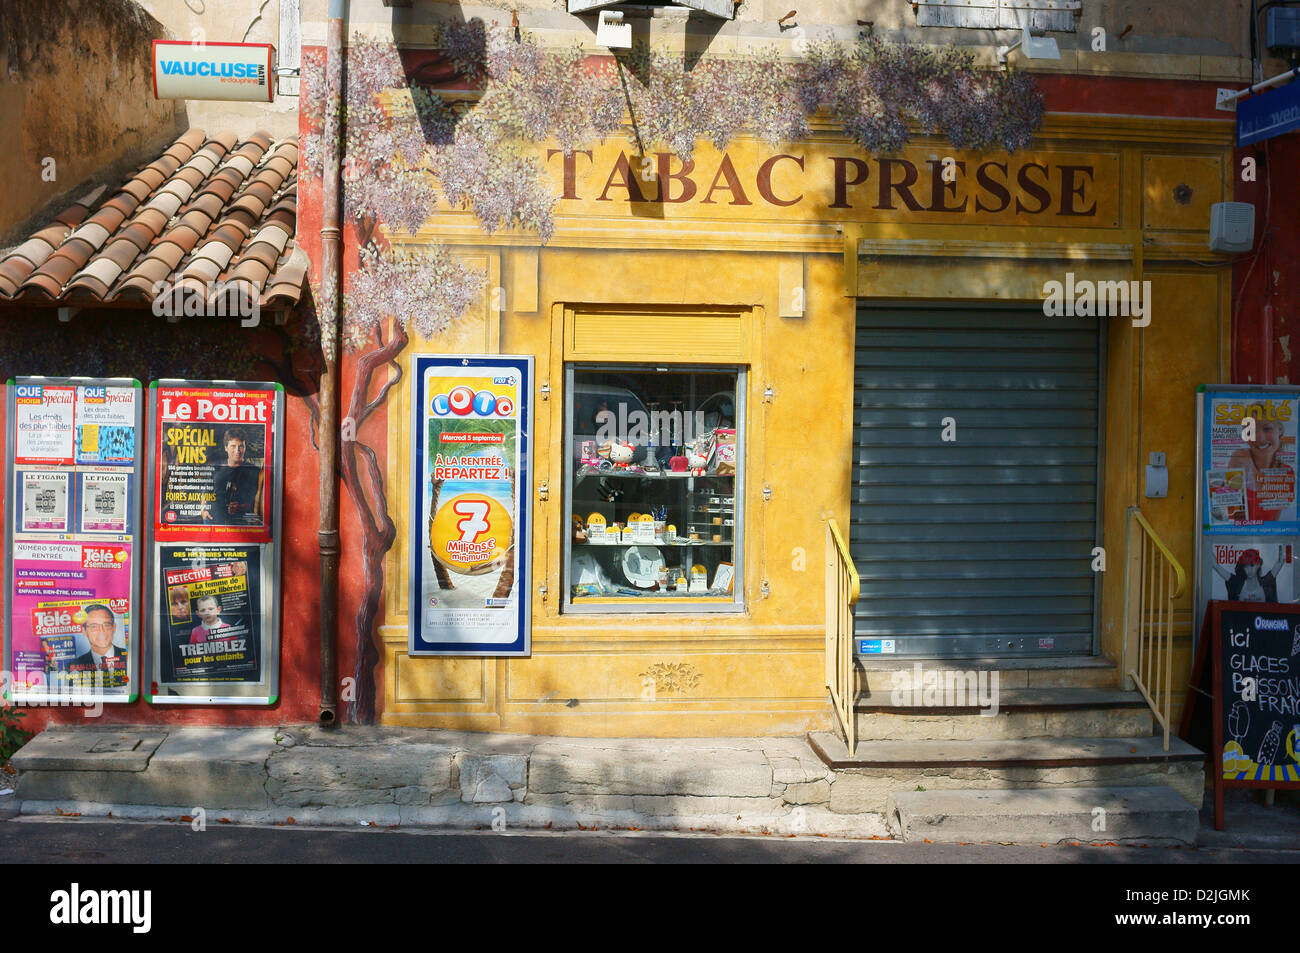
{"x":1268,"y":114}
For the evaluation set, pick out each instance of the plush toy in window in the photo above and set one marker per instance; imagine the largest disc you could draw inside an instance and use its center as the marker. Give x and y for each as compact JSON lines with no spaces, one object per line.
{"x":621,"y":454}
{"x":696,"y":462}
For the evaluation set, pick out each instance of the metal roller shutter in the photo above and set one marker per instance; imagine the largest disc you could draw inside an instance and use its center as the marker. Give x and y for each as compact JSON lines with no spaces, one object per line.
{"x":979,"y":546}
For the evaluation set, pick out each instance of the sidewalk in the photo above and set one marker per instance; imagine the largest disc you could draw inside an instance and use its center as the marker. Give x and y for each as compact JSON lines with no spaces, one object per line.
{"x":404,"y":777}
{"x":389,"y":777}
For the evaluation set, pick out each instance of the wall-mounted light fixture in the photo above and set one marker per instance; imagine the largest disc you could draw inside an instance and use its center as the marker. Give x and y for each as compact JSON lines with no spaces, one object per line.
{"x":1033,"y":47}
{"x":612,"y":32}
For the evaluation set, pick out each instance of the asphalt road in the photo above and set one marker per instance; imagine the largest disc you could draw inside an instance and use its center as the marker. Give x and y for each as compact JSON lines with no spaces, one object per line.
{"x":83,"y":841}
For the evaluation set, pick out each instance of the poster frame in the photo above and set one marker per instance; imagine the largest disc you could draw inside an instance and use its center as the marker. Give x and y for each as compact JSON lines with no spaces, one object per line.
{"x":521,"y":645}
{"x":1200,"y":598}
{"x":136,"y":650}
{"x":270,"y":569}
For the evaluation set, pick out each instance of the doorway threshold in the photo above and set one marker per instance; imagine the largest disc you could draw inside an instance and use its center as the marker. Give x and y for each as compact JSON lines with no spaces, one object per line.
{"x":877,"y":663}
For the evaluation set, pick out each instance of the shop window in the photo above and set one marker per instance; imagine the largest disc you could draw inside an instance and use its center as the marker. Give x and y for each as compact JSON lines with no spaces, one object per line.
{"x":653,"y":489}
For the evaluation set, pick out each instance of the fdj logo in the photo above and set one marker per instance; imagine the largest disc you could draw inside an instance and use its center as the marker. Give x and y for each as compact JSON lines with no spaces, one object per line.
{"x":462,"y":401}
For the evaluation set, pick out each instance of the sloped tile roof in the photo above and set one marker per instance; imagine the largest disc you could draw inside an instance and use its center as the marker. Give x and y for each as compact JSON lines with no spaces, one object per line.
{"x":212,"y":215}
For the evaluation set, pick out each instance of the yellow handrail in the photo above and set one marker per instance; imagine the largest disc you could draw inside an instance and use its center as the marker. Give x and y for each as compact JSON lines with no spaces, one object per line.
{"x":855,"y":583}
{"x":842,"y":589}
{"x":1164,"y":551}
{"x":1153,"y":580}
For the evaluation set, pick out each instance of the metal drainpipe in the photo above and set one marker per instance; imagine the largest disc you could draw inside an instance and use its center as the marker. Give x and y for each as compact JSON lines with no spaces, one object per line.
{"x":328,"y":534}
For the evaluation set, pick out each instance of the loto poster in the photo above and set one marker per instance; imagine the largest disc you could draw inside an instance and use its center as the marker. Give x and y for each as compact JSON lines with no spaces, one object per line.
{"x":215,"y":458}
{"x":72,"y":596}
{"x":471,"y":519}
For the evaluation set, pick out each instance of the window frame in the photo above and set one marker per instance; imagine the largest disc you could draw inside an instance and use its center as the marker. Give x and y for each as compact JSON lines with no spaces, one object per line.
{"x":651,"y":605}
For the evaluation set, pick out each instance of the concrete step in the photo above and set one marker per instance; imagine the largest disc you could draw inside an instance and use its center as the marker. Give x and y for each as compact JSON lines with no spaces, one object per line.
{"x":1019,"y":713}
{"x":1126,"y":815}
{"x":880,"y":677}
{"x":865,"y":781}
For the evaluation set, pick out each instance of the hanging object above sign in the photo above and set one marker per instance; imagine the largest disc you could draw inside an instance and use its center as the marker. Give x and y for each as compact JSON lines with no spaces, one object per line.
{"x":235,"y":72}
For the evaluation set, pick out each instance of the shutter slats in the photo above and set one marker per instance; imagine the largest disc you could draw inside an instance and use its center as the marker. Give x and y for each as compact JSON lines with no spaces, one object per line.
{"x":981,"y":545}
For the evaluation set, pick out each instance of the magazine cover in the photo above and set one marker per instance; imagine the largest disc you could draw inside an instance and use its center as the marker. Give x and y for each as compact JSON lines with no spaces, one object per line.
{"x":72,"y":616}
{"x":1251,"y":569}
{"x":210,"y":614}
{"x":213,"y":452}
{"x":1250,"y":463}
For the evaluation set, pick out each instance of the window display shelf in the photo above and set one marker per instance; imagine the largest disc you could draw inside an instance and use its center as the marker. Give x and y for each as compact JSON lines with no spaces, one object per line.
{"x":686,"y":544}
{"x":661,"y":475}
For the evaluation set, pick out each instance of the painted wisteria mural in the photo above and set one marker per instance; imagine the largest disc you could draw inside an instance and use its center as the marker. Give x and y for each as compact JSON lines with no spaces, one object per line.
{"x":409,"y":151}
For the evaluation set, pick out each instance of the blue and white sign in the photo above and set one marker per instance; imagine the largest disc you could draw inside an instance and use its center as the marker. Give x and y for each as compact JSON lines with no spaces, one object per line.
{"x":876,"y":646}
{"x":232,"y":72}
{"x":1268,"y":114}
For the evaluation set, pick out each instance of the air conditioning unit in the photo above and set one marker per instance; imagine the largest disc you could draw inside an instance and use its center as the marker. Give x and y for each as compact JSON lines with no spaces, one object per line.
{"x":1282,"y":30}
{"x":1232,"y":226}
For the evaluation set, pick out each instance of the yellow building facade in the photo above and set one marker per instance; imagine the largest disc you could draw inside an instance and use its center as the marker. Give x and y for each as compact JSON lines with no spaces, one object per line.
{"x":760,"y":258}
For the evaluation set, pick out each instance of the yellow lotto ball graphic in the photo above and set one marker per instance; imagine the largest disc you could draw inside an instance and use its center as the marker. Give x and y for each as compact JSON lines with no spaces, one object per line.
{"x":469,"y":533}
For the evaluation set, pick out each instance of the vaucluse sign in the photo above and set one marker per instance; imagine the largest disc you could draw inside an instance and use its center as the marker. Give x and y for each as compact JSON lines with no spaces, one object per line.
{"x":239,"y":72}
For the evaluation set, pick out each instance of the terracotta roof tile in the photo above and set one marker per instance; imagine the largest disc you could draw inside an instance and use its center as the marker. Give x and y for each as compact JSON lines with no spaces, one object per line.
{"x":137,"y":188}
{"x":280,"y":165}
{"x":109,"y":218}
{"x":122,"y":251}
{"x":72,"y":216}
{"x":39,"y":285}
{"x":153,"y":219}
{"x":86,"y":286}
{"x":139,"y":234}
{"x":196,"y":220}
{"x":191,"y":175}
{"x":242,"y":215}
{"x":184,"y":237}
{"x":53,"y":233}
{"x":92,"y":233}
{"x":237,"y":207}
{"x":59,"y":267}
{"x":231,"y":233}
{"x":75,"y":250}
{"x":124,"y":202}
{"x":226,"y":138}
{"x":250,"y":269}
{"x":202,"y":269}
{"x":262,"y":252}
{"x":281,"y":216}
{"x":13,"y":272}
{"x":209,"y":204}
{"x":151,"y":176}
{"x":219,"y":253}
{"x":35,"y":250}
